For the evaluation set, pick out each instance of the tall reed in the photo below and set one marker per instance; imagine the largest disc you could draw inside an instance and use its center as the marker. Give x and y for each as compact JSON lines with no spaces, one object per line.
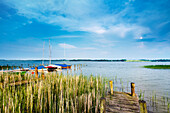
{"x":56,"y":93}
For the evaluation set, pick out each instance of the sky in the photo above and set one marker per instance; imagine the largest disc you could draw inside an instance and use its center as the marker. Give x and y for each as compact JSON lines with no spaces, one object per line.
{"x":110,"y":29}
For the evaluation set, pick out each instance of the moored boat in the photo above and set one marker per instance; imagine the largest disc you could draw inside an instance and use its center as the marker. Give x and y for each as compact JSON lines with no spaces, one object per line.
{"x":40,"y":68}
{"x":53,"y":67}
{"x":64,"y":66}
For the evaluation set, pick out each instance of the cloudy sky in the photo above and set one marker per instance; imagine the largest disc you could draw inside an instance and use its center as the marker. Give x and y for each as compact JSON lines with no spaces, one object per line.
{"x":131,"y":29}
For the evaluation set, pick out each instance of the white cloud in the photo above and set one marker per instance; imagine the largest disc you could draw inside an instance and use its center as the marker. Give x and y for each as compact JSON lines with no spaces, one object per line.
{"x":30,"y":22}
{"x":120,"y":30}
{"x":67,"y":46}
{"x":94,"y":29}
{"x":63,"y":36}
{"x":89,"y":48}
{"x":163,"y":24}
{"x":76,"y":15}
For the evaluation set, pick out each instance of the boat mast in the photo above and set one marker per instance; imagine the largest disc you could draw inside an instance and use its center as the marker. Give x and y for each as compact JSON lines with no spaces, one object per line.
{"x":43,"y":54}
{"x":50,"y":52}
{"x":64,"y":51}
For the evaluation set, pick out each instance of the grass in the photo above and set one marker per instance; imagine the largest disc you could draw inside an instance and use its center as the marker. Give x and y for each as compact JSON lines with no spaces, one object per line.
{"x":157,"y":66}
{"x":8,"y":67}
{"x":56,"y":93}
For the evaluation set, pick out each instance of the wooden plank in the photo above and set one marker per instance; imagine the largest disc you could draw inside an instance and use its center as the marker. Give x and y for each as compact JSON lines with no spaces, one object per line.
{"x":121,"y":102}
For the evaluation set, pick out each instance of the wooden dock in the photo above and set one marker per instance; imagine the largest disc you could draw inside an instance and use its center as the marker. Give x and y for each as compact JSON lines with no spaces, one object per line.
{"x":121,"y":102}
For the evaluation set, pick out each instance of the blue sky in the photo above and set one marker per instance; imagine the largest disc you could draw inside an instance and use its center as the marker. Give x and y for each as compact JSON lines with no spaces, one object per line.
{"x":112,"y":29}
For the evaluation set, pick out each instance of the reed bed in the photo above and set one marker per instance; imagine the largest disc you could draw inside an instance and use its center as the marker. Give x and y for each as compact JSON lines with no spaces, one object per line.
{"x":56,"y":93}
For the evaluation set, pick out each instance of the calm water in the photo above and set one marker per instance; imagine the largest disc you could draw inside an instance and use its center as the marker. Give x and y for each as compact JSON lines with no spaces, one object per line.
{"x":149,"y":81}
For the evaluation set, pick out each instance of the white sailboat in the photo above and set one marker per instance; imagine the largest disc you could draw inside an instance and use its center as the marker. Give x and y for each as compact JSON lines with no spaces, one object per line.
{"x":50,"y":66}
{"x":64,"y":65}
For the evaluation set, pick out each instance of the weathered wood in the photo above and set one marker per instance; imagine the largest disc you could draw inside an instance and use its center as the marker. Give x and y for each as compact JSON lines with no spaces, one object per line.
{"x":143,"y":107}
{"x":111,"y":87}
{"x":7,"y":66}
{"x":132,"y":89}
{"x":102,"y":105}
{"x":122,"y":102}
{"x":42,"y":73}
{"x":36,"y":72}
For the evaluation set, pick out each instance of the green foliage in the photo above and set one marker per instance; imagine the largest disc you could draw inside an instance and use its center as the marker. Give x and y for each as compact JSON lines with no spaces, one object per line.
{"x":158,"y":66}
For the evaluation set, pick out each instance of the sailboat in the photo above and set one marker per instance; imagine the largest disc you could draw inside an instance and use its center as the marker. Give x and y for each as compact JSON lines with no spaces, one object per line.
{"x":64,"y":65}
{"x":41,"y":66}
{"x":52,"y":67}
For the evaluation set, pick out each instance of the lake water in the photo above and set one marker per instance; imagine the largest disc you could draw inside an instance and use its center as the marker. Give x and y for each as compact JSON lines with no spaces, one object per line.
{"x":149,"y":81}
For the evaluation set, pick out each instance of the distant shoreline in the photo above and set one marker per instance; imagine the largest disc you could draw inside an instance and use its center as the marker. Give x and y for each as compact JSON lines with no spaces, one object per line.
{"x":100,"y":60}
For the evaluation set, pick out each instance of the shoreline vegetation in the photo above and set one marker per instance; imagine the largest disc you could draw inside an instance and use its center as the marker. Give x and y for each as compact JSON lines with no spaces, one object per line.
{"x":52,"y":93}
{"x":101,"y":60}
{"x":157,"y":66}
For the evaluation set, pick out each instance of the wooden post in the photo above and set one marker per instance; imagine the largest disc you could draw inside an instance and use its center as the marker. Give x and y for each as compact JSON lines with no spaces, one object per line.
{"x":12,"y":67}
{"x":102,"y":105}
{"x":132,"y":89}
{"x":7,"y":66}
{"x":36,"y":72}
{"x":42,"y":73}
{"x":79,"y":66}
{"x":74,"y":67}
{"x":67,"y":70}
{"x":142,"y":105}
{"x":111,"y":87}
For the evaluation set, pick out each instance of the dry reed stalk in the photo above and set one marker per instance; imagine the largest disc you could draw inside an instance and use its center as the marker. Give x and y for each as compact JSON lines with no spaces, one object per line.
{"x":89,"y":103}
{"x":96,"y":107}
{"x":85,"y":102}
{"x":72,"y":105}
